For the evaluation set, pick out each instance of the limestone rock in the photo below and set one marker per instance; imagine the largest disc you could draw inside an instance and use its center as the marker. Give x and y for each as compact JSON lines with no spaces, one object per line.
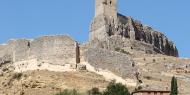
{"x":103,"y":28}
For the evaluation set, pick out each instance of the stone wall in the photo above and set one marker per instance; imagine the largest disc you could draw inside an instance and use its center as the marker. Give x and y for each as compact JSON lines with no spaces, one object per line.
{"x":57,"y":50}
{"x":4,"y":57}
{"x":120,"y":64}
{"x":2,"y":50}
{"x":53,"y":49}
{"x":19,"y":49}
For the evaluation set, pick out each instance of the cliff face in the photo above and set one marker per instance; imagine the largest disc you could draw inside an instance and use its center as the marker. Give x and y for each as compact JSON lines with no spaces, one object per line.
{"x":103,"y":30}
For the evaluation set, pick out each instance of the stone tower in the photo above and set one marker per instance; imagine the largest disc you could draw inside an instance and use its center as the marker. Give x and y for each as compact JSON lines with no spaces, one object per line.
{"x":108,"y":8}
{"x":105,"y":15}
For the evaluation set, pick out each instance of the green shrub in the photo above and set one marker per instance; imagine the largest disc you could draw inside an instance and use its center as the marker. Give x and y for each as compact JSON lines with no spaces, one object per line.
{"x":116,"y":89}
{"x":17,"y":76}
{"x":94,"y":91}
{"x":117,"y":49}
{"x":112,"y":89}
{"x":68,"y":92}
{"x":154,"y":60}
{"x":121,"y":50}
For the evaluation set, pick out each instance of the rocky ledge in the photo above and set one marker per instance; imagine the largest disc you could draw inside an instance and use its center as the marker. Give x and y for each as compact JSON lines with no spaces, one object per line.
{"x":128,"y":28}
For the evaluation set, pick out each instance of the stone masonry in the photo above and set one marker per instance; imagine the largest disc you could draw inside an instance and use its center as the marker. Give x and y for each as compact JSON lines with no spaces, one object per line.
{"x":117,"y":62}
{"x":56,"y":50}
{"x":109,"y":23}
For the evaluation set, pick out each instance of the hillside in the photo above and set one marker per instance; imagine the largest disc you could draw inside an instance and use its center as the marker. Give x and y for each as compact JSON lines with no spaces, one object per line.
{"x":120,"y":48}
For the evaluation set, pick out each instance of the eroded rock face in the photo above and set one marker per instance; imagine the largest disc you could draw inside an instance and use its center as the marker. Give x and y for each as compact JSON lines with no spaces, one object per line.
{"x":103,"y":29}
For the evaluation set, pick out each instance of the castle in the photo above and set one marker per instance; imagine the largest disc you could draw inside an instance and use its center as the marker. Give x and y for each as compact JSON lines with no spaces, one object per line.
{"x":119,"y":48}
{"x":112,"y":37}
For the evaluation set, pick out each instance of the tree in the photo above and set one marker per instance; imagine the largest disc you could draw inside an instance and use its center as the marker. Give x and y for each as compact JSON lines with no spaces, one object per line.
{"x":174,"y":87}
{"x":116,"y":89}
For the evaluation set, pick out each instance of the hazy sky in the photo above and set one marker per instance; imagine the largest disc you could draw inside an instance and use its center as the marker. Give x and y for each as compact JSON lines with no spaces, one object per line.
{"x":34,"y":18}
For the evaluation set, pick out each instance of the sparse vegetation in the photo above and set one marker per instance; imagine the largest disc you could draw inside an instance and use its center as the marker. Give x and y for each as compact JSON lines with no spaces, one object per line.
{"x":16,"y":76}
{"x":117,"y":49}
{"x":148,"y":77}
{"x":154,"y":60}
{"x":94,"y":91}
{"x":68,"y":92}
{"x":116,"y":89}
{"x":121,"y":50}
{"x":113,"y":88}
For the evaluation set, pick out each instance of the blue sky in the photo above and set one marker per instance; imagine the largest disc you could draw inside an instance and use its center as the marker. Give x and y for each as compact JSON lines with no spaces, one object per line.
{"x":34,"y":18}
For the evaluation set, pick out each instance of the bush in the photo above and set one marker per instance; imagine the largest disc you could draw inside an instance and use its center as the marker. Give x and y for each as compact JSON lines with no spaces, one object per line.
{"x":125,"y":52}
{"x":94,"y":91}
{"x":116,"y":89}
{"x":121,"y":50}
{"x":154,"y":60}
{"x":144,"y":59}
{"x":117,"y":49}
{"x":16,"y":76}
{"x":112,"y":89}
{"x":68,"y":92}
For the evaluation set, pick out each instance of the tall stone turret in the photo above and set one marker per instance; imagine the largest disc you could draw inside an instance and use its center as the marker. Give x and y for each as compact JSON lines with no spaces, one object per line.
{"x":105,"y":14}
{"x":108,"y":8}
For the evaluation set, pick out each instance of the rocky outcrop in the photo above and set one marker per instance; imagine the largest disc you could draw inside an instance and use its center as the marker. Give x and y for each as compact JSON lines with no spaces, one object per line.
{"x":102,"y":30}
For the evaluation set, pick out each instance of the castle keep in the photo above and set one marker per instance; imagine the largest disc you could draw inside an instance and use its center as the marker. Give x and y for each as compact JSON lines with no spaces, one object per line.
{"x":111,"y":30}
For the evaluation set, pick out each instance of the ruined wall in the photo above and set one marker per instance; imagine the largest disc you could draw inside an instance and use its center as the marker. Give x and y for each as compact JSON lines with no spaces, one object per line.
{"x":2,"y":50}
{"x":57,"y":50}
{"x":118,"y":63}
{"x":54,"y":49}
{"x":4,"y":57}
{"x":19,"y":49}
{"x":14,"y":50}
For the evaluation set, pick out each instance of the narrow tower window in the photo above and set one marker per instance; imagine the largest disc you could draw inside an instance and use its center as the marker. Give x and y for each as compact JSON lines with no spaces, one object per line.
{"x":110,"y":2}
